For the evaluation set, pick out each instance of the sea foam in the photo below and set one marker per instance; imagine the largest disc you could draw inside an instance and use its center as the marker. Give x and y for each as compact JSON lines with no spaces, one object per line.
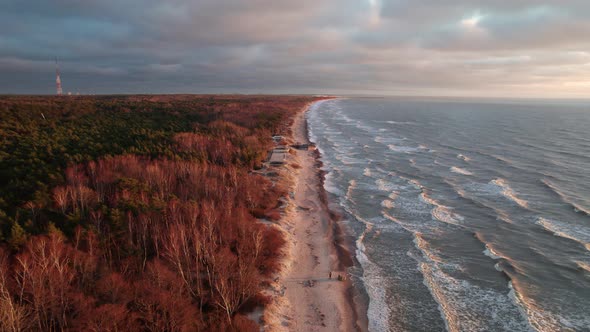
{"x":465,"y":306}
{"x":580,"y":234}
{"x":463,"y":157}
{"x":460,"y":170}
{"x":508,"y":192}
{"x":441,"y":212}
{"x":378,"y":312}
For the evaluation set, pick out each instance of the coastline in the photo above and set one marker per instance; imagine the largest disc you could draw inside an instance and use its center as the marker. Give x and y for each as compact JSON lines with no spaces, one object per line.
{"x":305,"y":298}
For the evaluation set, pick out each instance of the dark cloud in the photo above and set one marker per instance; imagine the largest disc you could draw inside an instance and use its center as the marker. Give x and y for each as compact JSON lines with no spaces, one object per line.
{"x":470,"y":47}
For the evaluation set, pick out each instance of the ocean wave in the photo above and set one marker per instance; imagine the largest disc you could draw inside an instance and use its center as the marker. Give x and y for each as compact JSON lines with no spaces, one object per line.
{"x":401,"y":122}
{"x":465,"y":306}
{"x":388,"y":204}
{"x":445,"y":214}
{"x":416,"y":183}
{"x":460,"y":170}
{"x":332,"y":132}
{"x":472,"y":192}
{"x":463,"y":157}
{"x":386,"y":186}
{"x":413,"y":182}
{"x":425,"y":148}
{"x":491,"y":253}
{"x":330,"y":186}
{"x":508,"y":192}
{"x":580,"y":234}
{"x":388,"y":140}
{"x":346,"y":118}
{"x":583,"y":265}
{"x":408,"y":149}
{"x":565,"y":198}
{"x":473,"y":199}
{"x":364,"y":127}
{"x":543,"y":320}
{"x":502,"y":159}
{"x":358,"y":124}
{"x":347,"y":160}
{"x":378,"y":312}
{"x":425,"y":248}
{"x":350,"y":189}
{"x":441,"y":212}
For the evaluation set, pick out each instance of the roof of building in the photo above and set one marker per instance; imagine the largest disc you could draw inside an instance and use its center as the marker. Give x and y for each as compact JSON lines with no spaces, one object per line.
{"x":277,"y":157}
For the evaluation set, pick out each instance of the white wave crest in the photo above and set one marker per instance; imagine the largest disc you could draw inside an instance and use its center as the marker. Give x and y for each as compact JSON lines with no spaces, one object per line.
{"x":542,"y":319}
{"x":566,"y":198}
{"x":577,"y":233}
{"x":401,"y":122}
{"x":508,"y":192}
{"x":460,"y":170}
{"x":441,"y":212}
{"x":402,"y":149}
{"x":465,"y":306}
{"x":349,"y":191}
{"x":583,"y":265}
{"x":378,"y":311}
{"x":491,"y":253}
{"x":387,"y":204}
{"x":388,"y":140}
{"x":463,"y":157}
{"x":384,"y":185}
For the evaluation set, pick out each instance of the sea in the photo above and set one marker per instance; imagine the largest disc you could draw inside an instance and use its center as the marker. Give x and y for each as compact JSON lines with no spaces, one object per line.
{"x":468,"y":214}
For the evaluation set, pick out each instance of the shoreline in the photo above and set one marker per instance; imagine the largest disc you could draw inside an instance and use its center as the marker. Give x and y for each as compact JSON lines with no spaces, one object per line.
{"x":305,"y":298}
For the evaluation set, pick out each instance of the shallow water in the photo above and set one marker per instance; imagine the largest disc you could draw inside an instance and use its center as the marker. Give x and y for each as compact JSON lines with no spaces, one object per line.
{"x":468,"y":215}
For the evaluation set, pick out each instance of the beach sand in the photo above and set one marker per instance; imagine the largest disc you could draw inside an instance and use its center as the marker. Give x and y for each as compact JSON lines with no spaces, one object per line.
{"x":308,"y":299}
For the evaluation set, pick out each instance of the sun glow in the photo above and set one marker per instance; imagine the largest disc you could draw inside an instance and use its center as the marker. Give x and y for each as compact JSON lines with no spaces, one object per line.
{"x":471,"y":22}
{"x":374,"y":12}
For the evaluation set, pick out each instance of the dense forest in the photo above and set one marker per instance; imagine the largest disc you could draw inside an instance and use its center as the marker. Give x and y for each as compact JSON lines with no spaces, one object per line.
{"x":137,"y":213}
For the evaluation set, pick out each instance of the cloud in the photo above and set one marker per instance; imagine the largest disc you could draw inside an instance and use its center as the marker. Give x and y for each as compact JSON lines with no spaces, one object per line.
{"x":457,"y":47}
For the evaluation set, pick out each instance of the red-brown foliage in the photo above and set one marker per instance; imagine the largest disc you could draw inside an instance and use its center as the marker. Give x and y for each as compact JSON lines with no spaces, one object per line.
{"x":156,"y":244}
{"x":171,"y":240}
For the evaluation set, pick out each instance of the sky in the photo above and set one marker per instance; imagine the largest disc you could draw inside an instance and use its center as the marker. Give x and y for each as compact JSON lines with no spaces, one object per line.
{"x":491,"y":48}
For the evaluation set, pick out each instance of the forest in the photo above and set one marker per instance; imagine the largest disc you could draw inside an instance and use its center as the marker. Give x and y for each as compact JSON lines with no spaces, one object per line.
{"x":137,"y":213}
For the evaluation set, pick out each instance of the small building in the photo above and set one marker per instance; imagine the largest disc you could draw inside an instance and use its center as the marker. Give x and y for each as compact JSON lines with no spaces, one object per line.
{"x":277,"y":158}
{"x":281,"y":148}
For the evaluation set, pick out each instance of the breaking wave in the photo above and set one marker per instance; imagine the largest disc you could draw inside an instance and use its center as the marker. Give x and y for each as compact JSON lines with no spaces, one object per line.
{"x":575,"y":233}
{"x":583,"y":265}
{"x":541,"y":319}
{"x":378,"y":313}
{"x":509,"y":193}
{"x":463,"y":157}
{"x":388,"y":204}
{"x":465,"y":306}
{"x":402,"y":149}
{"x":386,"y":186}
{"x":460,"y":170}
{"x":565,"y":198}
{"x":441,"y":212}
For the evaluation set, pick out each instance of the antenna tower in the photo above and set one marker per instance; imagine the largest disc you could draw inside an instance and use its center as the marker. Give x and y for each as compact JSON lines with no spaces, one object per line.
{"x":57,"y":79}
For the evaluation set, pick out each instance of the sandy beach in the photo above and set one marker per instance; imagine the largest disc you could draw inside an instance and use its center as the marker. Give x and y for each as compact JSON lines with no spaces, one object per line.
{"x":309,"y":300}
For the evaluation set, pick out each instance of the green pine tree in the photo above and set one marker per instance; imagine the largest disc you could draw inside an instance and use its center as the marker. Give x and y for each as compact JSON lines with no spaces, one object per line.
{"x":18,"y":236}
